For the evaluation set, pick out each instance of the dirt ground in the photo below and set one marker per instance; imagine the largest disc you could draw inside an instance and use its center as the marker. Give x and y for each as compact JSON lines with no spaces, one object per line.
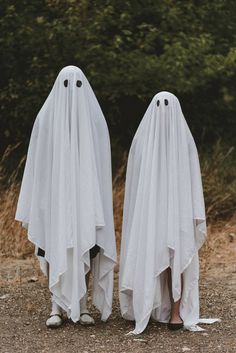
{"x":24,"y":301}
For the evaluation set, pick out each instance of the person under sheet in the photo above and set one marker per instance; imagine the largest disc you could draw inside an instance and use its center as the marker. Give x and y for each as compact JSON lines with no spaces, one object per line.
{"x":164,"y":223}
{"x":65,"y":200}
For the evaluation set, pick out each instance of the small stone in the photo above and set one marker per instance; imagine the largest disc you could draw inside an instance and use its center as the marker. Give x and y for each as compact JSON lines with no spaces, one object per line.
{"x":140,"y":340}
{"x":4,"y":296}
{"x":232,"y":236}
{"x":33,"y":279}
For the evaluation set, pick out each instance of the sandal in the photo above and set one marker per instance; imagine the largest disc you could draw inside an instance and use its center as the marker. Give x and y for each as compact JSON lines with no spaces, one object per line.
{"x":55,"y":320}
{"x":175,"y":326}
{"x":86,"y":319}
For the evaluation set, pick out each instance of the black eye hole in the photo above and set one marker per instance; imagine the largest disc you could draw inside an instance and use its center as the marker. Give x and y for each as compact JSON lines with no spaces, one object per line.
{"x":158,"y":103}
{"x":66,"y":83}
{"x":166,"y":102}
{"x":78,"y":83}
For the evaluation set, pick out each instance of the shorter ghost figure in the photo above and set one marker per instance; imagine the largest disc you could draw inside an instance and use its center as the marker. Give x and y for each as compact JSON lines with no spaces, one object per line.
{"x":164,"y":222}
{"x":65,"y":199}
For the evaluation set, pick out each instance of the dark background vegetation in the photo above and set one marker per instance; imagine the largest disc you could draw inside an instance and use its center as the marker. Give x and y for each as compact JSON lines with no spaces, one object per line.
{"x":129,"y":50}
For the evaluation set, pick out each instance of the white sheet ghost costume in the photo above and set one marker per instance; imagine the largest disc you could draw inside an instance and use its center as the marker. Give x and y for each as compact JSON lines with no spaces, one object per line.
{"x":66,"y":194}
{"x":164,"y":222}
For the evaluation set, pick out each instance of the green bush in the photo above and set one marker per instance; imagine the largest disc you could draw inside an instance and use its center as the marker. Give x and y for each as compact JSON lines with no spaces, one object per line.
{"x":129,"y":50}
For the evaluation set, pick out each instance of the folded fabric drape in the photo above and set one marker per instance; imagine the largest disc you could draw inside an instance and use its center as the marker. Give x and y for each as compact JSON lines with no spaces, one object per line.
{"x":66,"y":193}
{"x":164,"y":222}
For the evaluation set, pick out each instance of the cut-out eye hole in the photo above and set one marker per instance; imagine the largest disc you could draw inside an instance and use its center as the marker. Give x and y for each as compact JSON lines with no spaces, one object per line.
{"x":158,"y":103}
{"x":166,"y":102}
{"x":66,"y":83}
{"x":78,"y":83}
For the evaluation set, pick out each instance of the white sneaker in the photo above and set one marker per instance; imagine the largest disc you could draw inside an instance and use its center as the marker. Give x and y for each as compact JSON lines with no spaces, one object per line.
{"x":86,"y":319}
{"x":54,"y":320}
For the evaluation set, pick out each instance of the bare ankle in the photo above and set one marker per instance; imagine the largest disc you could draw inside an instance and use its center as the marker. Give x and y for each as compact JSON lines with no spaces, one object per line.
{"x":175,"y":318}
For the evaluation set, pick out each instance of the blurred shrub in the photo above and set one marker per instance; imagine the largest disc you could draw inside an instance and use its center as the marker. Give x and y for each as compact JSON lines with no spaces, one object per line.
{"x":129,"y":50}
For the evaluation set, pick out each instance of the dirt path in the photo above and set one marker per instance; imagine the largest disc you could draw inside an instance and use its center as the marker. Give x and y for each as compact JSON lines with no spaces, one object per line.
{"x":24,"y":301}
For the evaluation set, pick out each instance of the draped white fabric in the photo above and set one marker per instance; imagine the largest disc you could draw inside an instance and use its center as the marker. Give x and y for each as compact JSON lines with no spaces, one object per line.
{"x":164,"y":217}
{"x":66,"y":193}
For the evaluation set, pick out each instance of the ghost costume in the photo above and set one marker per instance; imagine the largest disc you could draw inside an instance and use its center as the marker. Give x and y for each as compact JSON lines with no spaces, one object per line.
{"x":164,"y":222}
{"x":65,"y":200}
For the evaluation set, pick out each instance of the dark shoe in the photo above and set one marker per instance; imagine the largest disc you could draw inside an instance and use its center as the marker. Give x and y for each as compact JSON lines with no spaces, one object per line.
{"x":175,"y":326}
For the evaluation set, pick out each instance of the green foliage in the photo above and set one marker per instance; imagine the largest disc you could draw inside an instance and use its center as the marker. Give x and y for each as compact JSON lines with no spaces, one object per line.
{"x":129,"y":50}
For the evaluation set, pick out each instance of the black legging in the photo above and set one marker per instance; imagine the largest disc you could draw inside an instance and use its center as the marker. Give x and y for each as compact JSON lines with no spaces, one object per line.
{"x":93,"y":251}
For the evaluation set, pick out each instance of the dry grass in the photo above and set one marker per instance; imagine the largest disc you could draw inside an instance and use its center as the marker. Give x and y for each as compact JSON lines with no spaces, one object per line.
{"x":220,"y":194}
{"x":216,"y":247}
{"x":219,"y":179}
{"x":118,"y":198}
{"x":13,"y":240}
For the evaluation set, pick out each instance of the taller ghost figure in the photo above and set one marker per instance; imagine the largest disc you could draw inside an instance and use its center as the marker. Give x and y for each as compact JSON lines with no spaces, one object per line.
{"x":65,"y":199}
{"x":164,"y":222}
